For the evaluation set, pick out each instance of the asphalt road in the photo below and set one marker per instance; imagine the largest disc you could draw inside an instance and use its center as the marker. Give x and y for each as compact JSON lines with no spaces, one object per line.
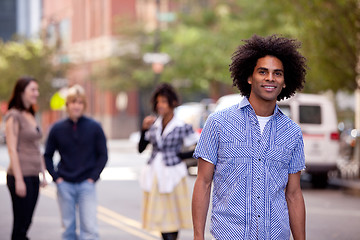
{"x":332,"y":213}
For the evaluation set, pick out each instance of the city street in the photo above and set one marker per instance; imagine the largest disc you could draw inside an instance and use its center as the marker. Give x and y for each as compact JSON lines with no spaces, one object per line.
{"x":332,"y":213}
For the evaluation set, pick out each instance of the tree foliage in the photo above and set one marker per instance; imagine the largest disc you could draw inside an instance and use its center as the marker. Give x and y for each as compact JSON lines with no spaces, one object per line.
{"x":27,"y":58}
{"x":126,"y":70}
{"x":204,"y":36}
{"x":328,"y":30}
{"x":203,"y":41}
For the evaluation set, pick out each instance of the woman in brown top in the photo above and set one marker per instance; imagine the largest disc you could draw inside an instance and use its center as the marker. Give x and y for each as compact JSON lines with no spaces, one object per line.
{"x":26,"y":161}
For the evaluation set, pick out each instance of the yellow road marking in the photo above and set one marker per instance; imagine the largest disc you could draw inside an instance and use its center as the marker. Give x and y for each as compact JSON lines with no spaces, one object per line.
{"x":129,"y":221}
{"x":120,"y":225}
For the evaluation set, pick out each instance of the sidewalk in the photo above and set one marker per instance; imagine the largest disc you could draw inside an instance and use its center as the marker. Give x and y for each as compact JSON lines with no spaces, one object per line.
{"x":115,"y":221}
{"x":46,"y":221}
{"x":347,"y":176}
{"x":352,"y":185}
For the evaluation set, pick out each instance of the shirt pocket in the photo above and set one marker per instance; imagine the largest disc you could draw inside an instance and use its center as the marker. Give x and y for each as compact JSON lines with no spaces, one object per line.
{"x":229,"y":173}
{"x":278,"y":159}
{"x":233,"y":137}
{"x":234,"y":149}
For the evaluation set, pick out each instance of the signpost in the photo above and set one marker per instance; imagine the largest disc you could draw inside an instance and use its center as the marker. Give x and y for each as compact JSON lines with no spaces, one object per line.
{"x":162,"y":58}
{"x":157,"y":60}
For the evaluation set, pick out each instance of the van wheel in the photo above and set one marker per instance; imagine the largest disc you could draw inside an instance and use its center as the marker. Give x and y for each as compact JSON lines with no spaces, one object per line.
{"x":319,"y":180}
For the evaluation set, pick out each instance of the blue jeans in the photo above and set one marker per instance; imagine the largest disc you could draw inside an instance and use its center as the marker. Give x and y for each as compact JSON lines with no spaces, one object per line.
{"x":82,"y":196}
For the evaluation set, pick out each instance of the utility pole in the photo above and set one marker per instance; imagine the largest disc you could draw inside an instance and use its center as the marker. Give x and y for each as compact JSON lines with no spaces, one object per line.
{"x":157,"y":41}
{"x":356,"y":156}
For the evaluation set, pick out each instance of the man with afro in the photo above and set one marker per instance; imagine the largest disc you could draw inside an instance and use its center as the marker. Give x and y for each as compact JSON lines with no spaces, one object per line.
{"x":251,"y":152}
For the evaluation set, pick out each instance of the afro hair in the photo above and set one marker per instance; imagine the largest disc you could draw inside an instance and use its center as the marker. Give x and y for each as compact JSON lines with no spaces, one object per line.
{"x":245,"y":58}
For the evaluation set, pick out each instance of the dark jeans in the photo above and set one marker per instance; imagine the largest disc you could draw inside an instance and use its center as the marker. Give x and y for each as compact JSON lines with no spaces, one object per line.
{"x":23,"y":208}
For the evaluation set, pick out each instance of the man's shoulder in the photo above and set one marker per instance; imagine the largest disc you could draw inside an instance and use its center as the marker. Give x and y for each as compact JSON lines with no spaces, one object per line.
{"x":92,"y":124}
{"x":91,"y":121}
{"x":226,"y":112}
{"x":57,"y":128}
{"x":59,"y":124}
{"x":288,"y":123}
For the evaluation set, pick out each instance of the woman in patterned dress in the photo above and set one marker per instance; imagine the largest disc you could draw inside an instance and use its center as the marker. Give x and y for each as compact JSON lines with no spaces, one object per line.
{"x":166,"y":202}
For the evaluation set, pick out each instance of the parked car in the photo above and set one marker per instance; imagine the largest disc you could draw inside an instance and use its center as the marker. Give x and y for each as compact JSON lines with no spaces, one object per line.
{"x":191,"y":113}
{"x":347,"y":143}
{"x":227,"y":101}
{"x":195,"y":113}
{"x":2,"y":133}
{"x":317,"y":118}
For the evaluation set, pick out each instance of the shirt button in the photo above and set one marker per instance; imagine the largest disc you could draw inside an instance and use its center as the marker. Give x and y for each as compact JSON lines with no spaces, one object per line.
{"x":259,"y":159}
{"x":258,"y":197}
{"x":258,"y":178}
{"x":258,"y":215}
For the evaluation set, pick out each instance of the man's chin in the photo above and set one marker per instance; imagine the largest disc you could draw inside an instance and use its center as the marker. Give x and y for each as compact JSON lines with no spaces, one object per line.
{"x":75,"y":115}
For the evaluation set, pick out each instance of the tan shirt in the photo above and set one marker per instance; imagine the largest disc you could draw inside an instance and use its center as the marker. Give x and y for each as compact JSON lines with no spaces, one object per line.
{"x":28,"y":145}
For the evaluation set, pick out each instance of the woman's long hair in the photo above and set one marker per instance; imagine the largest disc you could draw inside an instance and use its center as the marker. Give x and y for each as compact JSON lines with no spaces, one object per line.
{"x":16,"y":97}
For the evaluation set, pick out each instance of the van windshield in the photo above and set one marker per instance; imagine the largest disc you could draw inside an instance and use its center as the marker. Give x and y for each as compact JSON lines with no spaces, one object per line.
{"x":310,"y":114}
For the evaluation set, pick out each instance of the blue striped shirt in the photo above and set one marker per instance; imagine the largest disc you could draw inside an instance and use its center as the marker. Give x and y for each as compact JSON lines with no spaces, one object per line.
{"x":251,"y":171}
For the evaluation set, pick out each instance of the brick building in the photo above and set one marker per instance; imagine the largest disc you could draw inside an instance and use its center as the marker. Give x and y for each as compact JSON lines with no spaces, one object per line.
{"x":84,"y":32}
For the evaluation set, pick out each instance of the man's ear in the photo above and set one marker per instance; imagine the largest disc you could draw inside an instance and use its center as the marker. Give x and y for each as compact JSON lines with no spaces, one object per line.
{"x":249,"y":80}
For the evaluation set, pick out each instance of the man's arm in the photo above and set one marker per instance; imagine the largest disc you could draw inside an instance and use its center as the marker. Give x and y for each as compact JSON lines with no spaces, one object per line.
{"x":101,"y":154}
{"x":201,"y":197}
{"x":50,"y":148}
{"x":296,"y":205}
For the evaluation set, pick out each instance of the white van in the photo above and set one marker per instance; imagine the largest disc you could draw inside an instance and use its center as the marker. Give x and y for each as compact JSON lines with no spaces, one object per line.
{"x":316,"y":116}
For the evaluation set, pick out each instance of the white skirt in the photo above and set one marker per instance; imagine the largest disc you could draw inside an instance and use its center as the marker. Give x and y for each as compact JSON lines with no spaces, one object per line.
{"x":168,"y":177}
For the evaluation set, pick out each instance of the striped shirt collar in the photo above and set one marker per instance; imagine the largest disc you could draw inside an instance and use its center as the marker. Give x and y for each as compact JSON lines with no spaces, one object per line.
{"x":245,"y":102}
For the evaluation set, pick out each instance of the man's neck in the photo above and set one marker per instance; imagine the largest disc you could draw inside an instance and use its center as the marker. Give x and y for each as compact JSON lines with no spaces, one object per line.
{"x":74,"y":119}
{"x":263,"y":108}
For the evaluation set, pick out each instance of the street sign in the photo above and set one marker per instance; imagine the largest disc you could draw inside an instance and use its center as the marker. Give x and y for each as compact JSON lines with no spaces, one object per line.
{"x":59,"y":82}
{"x":57,"y":101}
{"x":162,"y":58}
{"x":166,"y":17}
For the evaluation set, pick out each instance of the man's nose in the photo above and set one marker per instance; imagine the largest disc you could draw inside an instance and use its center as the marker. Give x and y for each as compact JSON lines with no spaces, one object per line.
{"x":270,"y":77}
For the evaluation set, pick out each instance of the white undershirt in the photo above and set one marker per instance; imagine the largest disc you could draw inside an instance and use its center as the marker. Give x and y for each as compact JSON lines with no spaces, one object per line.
{"x":262,"y":122}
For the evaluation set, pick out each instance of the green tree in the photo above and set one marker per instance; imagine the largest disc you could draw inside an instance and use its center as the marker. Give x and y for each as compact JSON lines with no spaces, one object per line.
{"x":126,"y":70}
{"x":203,"y":41}
{"x":328,"y":30}
{"x":200,"y":44}
{"x":30,"y":58}
{"x":204,"y":36}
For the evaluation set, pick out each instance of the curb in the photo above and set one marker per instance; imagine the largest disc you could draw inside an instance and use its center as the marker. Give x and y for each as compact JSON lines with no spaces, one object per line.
{"x":347,"y":184}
